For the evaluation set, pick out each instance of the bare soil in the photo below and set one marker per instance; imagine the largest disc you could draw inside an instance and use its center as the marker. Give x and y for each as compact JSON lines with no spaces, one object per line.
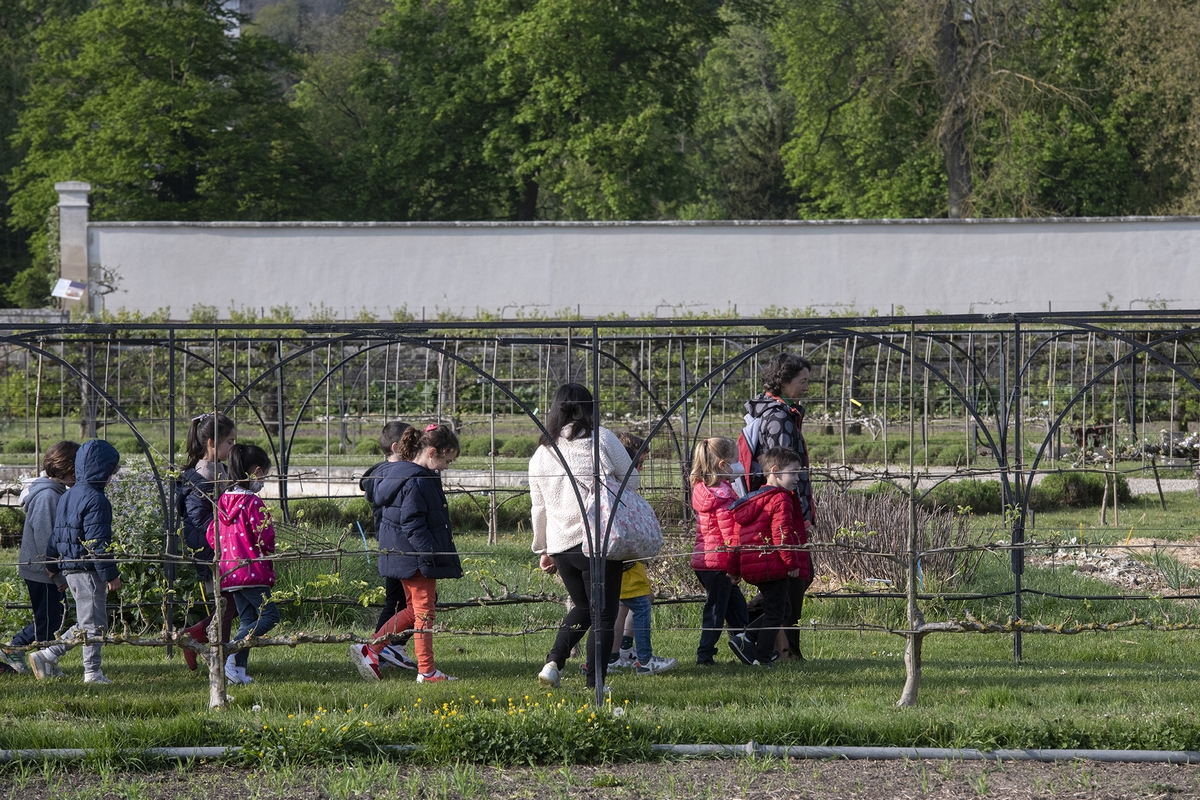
{"x":687,"y":780}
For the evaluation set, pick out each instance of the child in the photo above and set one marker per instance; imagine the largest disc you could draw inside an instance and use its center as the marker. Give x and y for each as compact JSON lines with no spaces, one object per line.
{"x":209,"y":440}
{"x":78,"y":549}
{"x":40,"y":500}
{"x":770,"y":524}
{"x":636,"y":599}
{"x":415,"y":544}
{"x":714,"y":558}
{"x":392,"y":655}
{"x":246,"y":537}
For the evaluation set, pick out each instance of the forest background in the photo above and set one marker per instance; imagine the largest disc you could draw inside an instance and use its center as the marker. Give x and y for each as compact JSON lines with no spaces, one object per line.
{"x":591,"y":109}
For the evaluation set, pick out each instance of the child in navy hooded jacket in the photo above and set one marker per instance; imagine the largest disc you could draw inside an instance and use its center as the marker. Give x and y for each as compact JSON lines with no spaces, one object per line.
{"x":79,"y":549}
{"x":415,"y":543}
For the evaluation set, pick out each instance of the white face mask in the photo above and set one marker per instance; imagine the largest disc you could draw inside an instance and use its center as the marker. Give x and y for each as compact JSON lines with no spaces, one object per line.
{"x":256,"y":486}
{"x":736,"y":468}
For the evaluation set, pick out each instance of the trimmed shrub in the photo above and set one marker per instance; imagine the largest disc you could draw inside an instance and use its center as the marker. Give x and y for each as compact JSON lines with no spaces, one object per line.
{"x":982,"y":497}
{"x":20,"y":446}
{"x":519,"y":446}
{"x":368,"y":446}
{"x":1074,"y":489}
{"x":317,"y":512}
{"x":12,"y":521}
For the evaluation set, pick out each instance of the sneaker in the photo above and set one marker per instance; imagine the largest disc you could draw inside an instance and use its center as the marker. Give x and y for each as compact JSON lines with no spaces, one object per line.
{"x":437,"y":676}
{"x":365,"y":661}
{"x":96,"y":677}
{"x":741,"y":647}
{"x":627,"y":652}
{"x":394,"y":656}
{"x":43,"y":664}
{"x":56,"y":671}
{"x":549,"y":676}
{"x":15,"y":663}
{"x":757,"y":663}
{"x":233,"y":673}
{"x":655,"y":665}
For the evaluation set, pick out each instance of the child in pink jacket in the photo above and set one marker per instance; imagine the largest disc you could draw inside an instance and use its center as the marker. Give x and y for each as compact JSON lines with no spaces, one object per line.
{"x":247,"y":537}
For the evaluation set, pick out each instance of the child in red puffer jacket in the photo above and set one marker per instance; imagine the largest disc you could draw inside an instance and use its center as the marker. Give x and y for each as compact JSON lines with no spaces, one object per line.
{"x":770,"y":529}
{"x":714,"y":559}
{"x":247,"y":538}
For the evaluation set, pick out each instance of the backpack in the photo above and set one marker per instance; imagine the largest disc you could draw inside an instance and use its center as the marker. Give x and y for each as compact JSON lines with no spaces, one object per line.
{"x":747,"y":444}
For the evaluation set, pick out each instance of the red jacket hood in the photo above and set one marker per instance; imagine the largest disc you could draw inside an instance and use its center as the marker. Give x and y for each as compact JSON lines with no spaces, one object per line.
{"x":234,"y":505}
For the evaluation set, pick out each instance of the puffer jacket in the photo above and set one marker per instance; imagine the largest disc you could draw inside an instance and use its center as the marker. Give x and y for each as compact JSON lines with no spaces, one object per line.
{"x":40,"y":500}
{"x":414,"y":534}
{"x":83,"y":521}
{"x":779,"y":426}
{"x":769,"y":525}
{"x":715,"y":532}
{"x":367,"y":484}
{"x":247,"y":538}
{"x":195,"y":498}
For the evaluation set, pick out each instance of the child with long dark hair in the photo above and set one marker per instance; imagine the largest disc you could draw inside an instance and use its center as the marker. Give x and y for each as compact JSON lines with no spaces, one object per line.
{"x":210,"y":438}
{"x":247,"y":537}
{"x":416,"y":544}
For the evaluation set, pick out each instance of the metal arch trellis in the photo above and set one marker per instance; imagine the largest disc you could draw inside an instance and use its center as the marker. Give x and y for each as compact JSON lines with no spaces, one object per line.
{"x":1011,"y":362}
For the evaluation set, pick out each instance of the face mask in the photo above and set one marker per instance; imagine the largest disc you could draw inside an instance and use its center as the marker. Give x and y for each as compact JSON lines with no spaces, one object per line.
{"x":736,"y":468}
{"x":256,"y":486}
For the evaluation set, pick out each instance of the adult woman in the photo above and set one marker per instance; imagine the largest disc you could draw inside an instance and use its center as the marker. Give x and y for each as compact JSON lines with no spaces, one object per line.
{"x":559,"y":528}
{"x":778,"y":408}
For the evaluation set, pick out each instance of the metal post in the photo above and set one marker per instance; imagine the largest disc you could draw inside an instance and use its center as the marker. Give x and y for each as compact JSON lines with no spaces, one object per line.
{"x":1018,"y":530}
{"x":598,"y":563}
{"x":172,"y":543}
{"x":283,"y":449}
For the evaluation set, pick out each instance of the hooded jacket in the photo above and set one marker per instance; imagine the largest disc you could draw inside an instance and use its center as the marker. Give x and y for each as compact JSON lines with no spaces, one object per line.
{"x":83,"y":520}
{"x":40,"y":500}
{"x":414,"y":534}
{"x":716,"y":535}
{"x":779,"y":426}
{"x":195,"y":494}
{"x":768,"y":525}
{"x":367,"y":484}
{"x":247,"y":538}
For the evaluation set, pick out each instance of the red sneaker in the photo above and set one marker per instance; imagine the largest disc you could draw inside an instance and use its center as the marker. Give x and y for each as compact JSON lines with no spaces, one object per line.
{"x":437,"y":676}
{"x":365,"y":661}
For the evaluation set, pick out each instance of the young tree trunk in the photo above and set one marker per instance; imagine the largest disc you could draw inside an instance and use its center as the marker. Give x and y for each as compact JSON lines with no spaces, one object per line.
{"x":952,"y":79}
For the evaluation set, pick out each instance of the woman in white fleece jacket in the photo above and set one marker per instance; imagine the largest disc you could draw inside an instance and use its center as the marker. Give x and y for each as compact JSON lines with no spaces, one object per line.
{"x":558,"y":527}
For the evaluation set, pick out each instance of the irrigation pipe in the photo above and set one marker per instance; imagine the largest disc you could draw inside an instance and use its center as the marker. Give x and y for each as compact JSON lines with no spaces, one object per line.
{"x":754,"y":749}
{"x":165,"y":753}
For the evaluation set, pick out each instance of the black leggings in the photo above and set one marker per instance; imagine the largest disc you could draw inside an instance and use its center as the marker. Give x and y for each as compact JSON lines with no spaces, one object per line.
{"x":575,"y":569}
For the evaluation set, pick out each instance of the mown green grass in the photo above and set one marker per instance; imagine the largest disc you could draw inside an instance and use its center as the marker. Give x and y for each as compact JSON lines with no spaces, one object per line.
{"x":1130,"y":688}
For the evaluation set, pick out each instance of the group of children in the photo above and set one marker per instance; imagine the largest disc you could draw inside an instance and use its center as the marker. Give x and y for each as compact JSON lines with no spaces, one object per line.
{"x":68,"y":532}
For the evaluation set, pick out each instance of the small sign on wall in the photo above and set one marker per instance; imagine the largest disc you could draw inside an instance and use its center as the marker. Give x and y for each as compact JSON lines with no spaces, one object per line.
{"x":68,"y":289}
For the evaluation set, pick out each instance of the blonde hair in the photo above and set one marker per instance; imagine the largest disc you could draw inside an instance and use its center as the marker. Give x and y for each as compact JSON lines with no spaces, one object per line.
{"x":707,"y":458}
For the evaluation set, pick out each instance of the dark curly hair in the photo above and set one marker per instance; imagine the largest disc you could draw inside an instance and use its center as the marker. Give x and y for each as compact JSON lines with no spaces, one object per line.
{"x":782,"y":369}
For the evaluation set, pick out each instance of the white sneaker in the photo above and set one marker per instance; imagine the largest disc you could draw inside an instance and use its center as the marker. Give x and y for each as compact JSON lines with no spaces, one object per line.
{"x":233,"y":673}
{"x":655,"y":665}
{"x":17,"y":663}
{"x":437,"y":676}
{"x":549,"y":676}
{"x":394,"y":656}
{"x":96,"y":677}
{"x":43,"y":664}
{"x":628,"y":654}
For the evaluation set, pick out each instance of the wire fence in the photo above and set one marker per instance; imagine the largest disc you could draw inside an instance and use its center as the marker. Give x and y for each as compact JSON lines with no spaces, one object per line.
{"x":937,"y":443}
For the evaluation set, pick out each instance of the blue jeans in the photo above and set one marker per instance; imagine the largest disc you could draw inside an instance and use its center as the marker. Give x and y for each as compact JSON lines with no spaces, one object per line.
{"x":724,"y":605}
{"x":49,"y":606}
{"x":257,"y":615}
{"x":639,"y":607}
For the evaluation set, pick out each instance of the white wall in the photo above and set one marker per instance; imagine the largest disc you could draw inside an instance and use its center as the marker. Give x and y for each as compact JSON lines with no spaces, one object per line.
{"x":652,"y":268}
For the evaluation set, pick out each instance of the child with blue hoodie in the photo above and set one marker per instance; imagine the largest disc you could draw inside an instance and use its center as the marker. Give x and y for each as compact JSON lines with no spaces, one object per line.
{"x":78,"y":550}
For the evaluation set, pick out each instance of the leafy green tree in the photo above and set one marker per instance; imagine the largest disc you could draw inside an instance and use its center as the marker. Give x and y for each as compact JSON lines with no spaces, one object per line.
{"x":743,"y":119}
{"x":534,"y":108}
{"x":165,"y":113}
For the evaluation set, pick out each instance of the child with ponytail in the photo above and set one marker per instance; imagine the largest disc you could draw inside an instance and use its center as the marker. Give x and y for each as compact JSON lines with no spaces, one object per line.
{"x":210,"y":437}
{"x":415,"y":544}
{"x":714,"y":559}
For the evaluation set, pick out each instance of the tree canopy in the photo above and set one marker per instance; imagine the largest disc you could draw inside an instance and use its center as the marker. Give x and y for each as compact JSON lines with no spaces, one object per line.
{"x":560,"y":109}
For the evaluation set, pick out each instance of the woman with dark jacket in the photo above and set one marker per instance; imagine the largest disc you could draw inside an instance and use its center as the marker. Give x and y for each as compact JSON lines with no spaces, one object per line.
{"x":779,"y":416}
{"x":415,"y":543}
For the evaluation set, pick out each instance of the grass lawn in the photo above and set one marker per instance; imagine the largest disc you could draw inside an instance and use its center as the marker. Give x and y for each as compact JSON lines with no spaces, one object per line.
{"x":1128,"y":689}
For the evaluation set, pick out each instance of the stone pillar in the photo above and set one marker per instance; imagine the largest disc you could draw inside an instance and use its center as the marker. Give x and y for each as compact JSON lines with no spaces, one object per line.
{"x":73,"y":238}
